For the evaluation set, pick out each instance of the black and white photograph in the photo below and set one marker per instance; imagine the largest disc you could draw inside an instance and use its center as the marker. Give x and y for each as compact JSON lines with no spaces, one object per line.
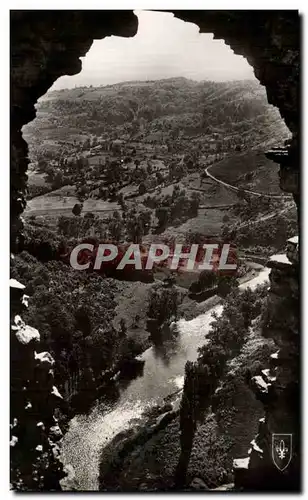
{"x":155,"y":215}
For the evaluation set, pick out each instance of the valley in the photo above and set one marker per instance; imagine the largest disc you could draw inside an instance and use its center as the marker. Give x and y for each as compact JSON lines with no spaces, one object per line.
{"x":168,"y":161}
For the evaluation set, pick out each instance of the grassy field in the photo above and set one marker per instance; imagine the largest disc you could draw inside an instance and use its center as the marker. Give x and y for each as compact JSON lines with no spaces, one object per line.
{"x":264,"y":172}
{"x":36,"y":179}
{"x":208,"y":222}
{"x":61,"y":202}
{"x":132,"y":300}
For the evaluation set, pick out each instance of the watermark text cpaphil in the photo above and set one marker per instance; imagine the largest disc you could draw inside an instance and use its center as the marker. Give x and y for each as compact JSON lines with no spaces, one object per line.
{"x":208,"y":256}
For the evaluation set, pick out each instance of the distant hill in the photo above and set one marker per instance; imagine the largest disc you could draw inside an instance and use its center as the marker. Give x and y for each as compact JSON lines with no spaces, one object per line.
{"x":175,"y":109}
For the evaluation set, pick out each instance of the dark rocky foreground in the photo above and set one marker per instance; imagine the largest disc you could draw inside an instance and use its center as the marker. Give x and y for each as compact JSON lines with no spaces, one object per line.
{"x":35,"y":432}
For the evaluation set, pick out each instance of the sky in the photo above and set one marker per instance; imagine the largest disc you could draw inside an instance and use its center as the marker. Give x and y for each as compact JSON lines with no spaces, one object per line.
{"x":164,"y":47}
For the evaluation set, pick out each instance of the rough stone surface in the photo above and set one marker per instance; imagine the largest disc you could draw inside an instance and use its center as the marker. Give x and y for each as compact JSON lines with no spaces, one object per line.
{"x":277,"y":387}
{"x":24,"y":333}
{"x":44,"y":359}
{"x":198,"y":484}
{"x":33,"y":425}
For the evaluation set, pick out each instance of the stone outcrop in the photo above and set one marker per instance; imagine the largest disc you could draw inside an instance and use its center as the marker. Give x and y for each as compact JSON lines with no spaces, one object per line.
{"x":34,"y":429}
{"x":289,"y":174}
{"x":198,"y":484}
{"x":277,"y":387}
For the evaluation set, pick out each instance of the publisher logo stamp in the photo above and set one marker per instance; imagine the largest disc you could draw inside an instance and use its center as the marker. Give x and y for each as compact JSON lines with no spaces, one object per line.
{"x":282,"y":450}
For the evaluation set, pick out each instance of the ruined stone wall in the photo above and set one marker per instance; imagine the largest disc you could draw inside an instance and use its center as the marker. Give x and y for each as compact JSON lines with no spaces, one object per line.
{"x":46,"y":45}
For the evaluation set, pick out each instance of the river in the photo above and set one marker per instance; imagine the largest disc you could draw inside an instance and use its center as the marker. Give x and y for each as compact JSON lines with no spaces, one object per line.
{"x":162,"y":375}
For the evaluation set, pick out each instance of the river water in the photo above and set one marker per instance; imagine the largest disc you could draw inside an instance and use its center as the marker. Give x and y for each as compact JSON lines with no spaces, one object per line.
{"x":163,"y":374}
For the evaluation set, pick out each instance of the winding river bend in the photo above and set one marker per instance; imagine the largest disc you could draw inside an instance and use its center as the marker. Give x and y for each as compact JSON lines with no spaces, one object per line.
{"x":163,"y":373}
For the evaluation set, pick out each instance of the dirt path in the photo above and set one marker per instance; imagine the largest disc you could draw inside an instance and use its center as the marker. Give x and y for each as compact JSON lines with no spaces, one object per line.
{"x":272,"y":196}
{"x":264,"y":217}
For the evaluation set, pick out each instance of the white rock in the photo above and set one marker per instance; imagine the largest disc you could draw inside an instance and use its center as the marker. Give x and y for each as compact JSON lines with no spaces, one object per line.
{"x":241,"y":463}
{"x":262,"y":385}
{"x":293,"y":240}
{"x":44,"y":358}
{"x":55,"y":432}
{"x":14,"y":424}
{"x":56,"y":393}
{"x":25,"y":300}
{"x":15,"y":284}
{"x":274,"y":355}
{"x":25,"y":333}
{"x":19,"y":323}
{"x":14,"y":441}
{"x":256,"y":447}
{"x":281,"y":258}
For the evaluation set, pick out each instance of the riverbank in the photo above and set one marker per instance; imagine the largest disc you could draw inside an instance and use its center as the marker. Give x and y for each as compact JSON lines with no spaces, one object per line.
{"x":85,"y":443}
{"x":131,"y":300}
{"x":190,"y":309}
{"x":224,"y":433}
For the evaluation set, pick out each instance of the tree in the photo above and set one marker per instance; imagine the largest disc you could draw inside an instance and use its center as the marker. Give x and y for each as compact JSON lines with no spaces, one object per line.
{"x":163,"y":304}
{"x":159,"y":178}
{"x":188,"y":421}
{"x":207,"y":279}
{"x":121,"y":201}
{"x":77,"y":209}
{"x":63,"y":225}
{"x":241,"y":194}
{"x":226,"y":284}
{"x":163,"y":215}
{"x":145,"y":218}
{"x":42,"y":165}
{"x":115,"y":226}
{"x":149,"y":168}
{"x":194,"y":203}
{"x":81,"y":192}
{"x":57,"y":180}
{"x":86,"y":144}
{"x":142,"y":188}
